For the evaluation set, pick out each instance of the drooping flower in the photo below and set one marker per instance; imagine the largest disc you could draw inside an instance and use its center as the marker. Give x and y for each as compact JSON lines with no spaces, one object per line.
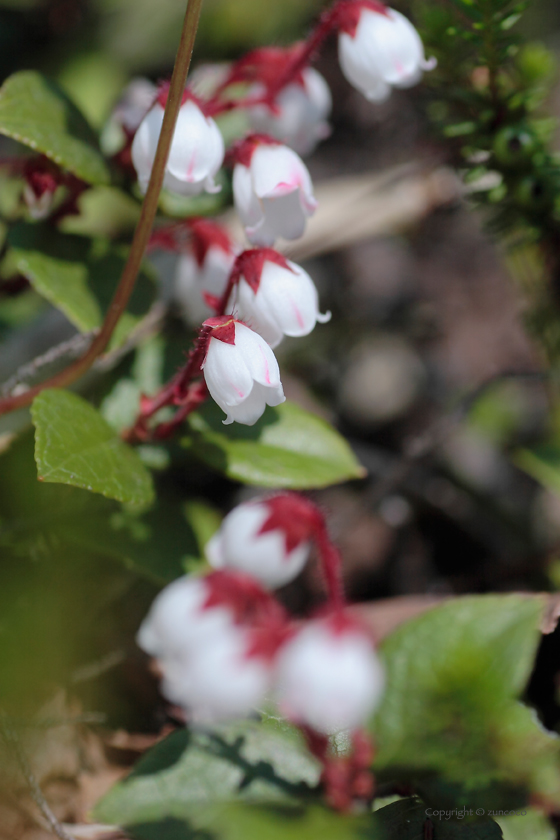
{"x":328,"y":676}
{"x":298,"y":115}
{"x":272,"y":190}
{"x":197,"y":149}
{"x":378,"y":49}
{"x":270,"y":539}
{"x":203,"y":269}
{"x":215,"y":639}
{"x":274,"y":296}
{"x":241,"y":371}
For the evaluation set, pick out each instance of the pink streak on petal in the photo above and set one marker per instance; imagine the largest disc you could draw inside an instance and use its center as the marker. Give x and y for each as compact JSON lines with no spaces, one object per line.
{"x":299,"y":316}
{"x":266,"y":368}
{"x":191,"y":167}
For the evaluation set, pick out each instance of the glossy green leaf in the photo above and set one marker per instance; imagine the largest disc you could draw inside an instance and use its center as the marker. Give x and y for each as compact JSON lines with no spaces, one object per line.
{"x":62,"y":283}
{"x":36,"y":112}
{"x":75,"y":445}
{"x":287,"y":447}
{"x":451,"y":708}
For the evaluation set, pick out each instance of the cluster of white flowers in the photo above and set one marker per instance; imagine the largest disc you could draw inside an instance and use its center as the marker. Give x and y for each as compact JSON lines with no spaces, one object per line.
{"x":272,"y":190}
{"x":225,"y":646}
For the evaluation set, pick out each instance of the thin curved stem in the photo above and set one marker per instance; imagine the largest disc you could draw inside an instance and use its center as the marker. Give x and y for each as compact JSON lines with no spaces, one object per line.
{"x":143,"y":228}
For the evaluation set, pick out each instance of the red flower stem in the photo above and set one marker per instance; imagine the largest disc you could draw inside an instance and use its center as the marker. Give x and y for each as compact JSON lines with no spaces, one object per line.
{"x":143,"y":229}
{"x":309,"y":48}
{"x":331,"y":564}
{"x":196,"y":395}
{"x":177,"y":390}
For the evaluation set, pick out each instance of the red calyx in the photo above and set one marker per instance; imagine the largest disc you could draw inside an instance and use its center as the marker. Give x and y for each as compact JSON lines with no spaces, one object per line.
{"x":339,"y":622}
{"x":265,"y":65}
{"x":347,"y":16}
{"x":188,"y":96}
{"x":296,"y":517}
{"x":251,"y":607}
{"x":242,"y":151}
{"x":222,"y":328}
{"x":205,"y":235}
{"x":249,"y":265}
{"x":42,"y":176}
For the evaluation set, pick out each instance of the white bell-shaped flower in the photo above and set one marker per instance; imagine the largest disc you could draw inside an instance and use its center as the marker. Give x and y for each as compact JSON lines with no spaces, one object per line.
{"x":272,"y":190}
{"x":328,"y":676}
{"x":269,"y":539}
{"x":203,"y":270}
{"x":275,"y":296}
{"x":215,"y":639}
{"x":378,"y":49}
{"x":177,"y":620}
{"x":241,"y":371}
{"x":300,"y":119}
{"x":220,"y":681}
{"x":196,"y":154}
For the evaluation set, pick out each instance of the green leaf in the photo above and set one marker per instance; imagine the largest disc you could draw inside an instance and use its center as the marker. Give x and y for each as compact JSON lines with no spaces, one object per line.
{"x":75,"y":445}
{"x":406,"y":818}
{"x":244,"y":761}
{"x":542,"y":463}
{"x":157,"y":544}
{"x":253,"y":822}
{"x":528,"y":823}
{"x":62,"y":283}
{"x":287,"y":447}
{"x":36,"y":112}
{"x":102,"y":262}
{"x":237,"y":782}
{"x":450,"y":710}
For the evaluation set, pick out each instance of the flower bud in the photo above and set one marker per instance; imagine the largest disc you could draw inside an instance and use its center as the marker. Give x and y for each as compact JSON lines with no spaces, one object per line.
{"x":203,"y":270}
{"x":269,"y":539}
{"x":215,"y":639}
{"x":299,"y":116}
{"x":42,"y":180}
{"x":272,"y":190}
{"x":275,"y":296}
{"x":241,"y":371}
{"x":196,"y":154}
{"x":328,"y":676}
{"x":378,"y":49}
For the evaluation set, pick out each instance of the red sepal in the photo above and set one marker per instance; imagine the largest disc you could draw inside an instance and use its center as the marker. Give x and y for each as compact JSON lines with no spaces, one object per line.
{"x":264,"y":65}
{"x":249,"y":265}
{"x":242,"y":151}
{"x":188,"y":96}
{"x":205,"y":235}
{"x":42,"y":176}
{"x":223,"y":328}
{"x":213,"y":301}
{"x":294,"y":516}
{"x":349,"y":11}
{"x":252,"y":607}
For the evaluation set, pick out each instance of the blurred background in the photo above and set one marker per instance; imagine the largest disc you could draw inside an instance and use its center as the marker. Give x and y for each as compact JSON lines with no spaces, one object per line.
{"x":424,"y":313}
